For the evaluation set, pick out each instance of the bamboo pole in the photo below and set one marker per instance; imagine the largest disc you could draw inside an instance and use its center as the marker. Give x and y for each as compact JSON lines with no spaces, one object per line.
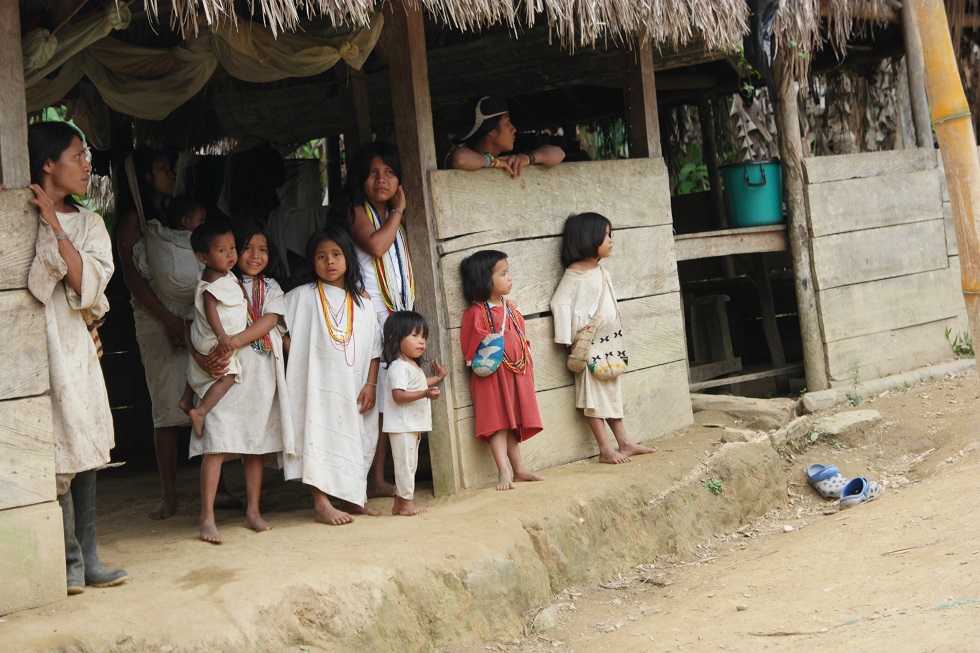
{"x":916,"y":77}
{"x":957,"y":144}
{"x":14,"y":163}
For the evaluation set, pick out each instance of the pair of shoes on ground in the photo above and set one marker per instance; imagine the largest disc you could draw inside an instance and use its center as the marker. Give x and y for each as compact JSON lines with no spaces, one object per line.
{"x":828,"y":481}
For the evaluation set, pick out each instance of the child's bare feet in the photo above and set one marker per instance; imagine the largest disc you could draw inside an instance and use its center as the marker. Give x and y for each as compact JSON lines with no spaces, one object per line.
{"x":209,"y":532}
{"x":165,"y":509}
{"x":527,"y":476}
{"x":354,"y":509}
{"x":197,"y":419}
{"x":504,"y":481}
{"x":406,"y":508}
{"x":257,"y":524}
{"x":612,"y":457}
{"x":327,"y":514}
{"x":635,"y":449}
{"x":185,"y":405}
{"x":379,"y":489}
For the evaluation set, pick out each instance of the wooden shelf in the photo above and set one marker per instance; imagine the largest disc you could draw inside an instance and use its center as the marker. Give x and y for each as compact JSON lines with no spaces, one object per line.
{"x":726,"y":242}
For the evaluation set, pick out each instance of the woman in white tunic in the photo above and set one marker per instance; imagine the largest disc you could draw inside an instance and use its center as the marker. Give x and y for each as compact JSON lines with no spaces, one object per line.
{"x":71,"y":267}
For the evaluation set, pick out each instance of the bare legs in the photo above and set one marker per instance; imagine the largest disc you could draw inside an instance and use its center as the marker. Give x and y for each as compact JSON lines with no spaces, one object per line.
{"x":325,"y":512}
{"x":165,"y":445}
{"x":210,"y":472}
{"x":626,"y":448}
{"x":253,"y":487}
{"x":377,"y":486}
{"x":210,"y":399}
{"x":506,"y":448}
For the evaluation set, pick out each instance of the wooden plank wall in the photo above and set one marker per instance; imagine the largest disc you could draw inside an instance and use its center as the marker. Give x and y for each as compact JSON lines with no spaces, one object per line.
{"x":885,"y":272}
{"x":485,"y":209}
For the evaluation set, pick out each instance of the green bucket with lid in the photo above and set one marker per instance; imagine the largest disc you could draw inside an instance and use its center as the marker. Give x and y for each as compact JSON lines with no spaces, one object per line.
{"x":754,"y":192}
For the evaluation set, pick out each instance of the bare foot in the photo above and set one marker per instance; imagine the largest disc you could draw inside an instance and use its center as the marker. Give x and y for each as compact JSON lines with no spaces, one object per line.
{"x":504,"y":481}
{"x":636,"y":449}
{"x":613,"y":457}
{"x":327,"y":514}
{"x":227,"y":501}
{"x":209,"y":532}
{"x":354,"y":509}
{"x":185,"y":405}
{"x":257,"y":524}
{"x":165,"y":510}
{"x":197,"y":419}
{"x":381,"y":489}
{"x":406,"y":508}
{"x":525,"y":475}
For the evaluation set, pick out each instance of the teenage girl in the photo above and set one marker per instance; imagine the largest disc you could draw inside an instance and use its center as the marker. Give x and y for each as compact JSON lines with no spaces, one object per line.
{"x":587,"y":240}
{"x":407,"y":400}
{"x":504,"y":403}
{"x":332,"y":377}
{"x":253,"y":418}
{"x":373,"y":204}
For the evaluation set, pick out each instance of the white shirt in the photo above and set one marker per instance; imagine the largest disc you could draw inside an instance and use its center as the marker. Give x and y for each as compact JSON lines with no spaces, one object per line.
{"x":415,"y":416}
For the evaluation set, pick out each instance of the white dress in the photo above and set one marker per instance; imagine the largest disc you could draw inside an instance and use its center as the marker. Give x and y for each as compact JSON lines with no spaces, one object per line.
{"x":334,"y":444}
{"x":83,"y":433}
{"x":573,"y":303}
{"x":233,"y":313}
{"x":253,"y":417}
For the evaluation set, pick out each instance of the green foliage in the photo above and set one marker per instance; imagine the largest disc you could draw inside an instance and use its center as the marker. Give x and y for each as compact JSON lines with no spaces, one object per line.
{"x":714,"y":485}
{"x":604,"y":139}
{"x":961,"y":344}
{"x":692,"y":177}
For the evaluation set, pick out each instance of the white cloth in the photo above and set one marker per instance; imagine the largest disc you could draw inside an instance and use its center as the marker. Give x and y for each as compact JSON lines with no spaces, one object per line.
{"x":253,"y":417}
{"x":166,"y":260}
{"x":82,"y":421}
{"x":415,"y":415}
{"x":165,"y":367}
{"x":334,"y":444}
{"x":233,"y":313}
{"x":572,"y":305}
{"x":405,"y":454}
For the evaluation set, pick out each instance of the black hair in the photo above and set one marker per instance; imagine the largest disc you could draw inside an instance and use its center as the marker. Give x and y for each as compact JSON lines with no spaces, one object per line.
{"x":399,"y":326}
{"x":143,"y":158}
{"x":477,"y":272}
{"x":180,"y":207}
{"x":352,"y":194}
{"x":206,"y":234}
{"x":244,"y":233}
{"x":353,"y":282}
{"x":46,"y":141}
{"x":584,"y":233}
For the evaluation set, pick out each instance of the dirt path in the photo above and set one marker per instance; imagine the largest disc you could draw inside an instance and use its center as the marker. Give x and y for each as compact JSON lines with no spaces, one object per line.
{"x":901,"y":573}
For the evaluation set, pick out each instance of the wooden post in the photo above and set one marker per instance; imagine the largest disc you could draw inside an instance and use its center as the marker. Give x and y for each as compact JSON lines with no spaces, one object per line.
{"x":710,"y":154}
{"x":791,"y":152}
{"x":357,"y":111}
{"x":916,"y":74}
{"x":640,"y":95}
{"x":957,"y":144}
{"x":334,"y":178}
{"x":417,"y":150}
{"x":14,"y":161}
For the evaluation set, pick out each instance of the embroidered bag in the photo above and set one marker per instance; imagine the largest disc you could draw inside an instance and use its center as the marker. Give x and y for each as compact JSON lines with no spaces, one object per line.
{"x":578,"y":355}
{"x":608,"y":357}
{"x":490,"y":353}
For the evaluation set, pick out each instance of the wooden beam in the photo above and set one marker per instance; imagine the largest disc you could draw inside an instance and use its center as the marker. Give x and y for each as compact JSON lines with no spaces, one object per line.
{"x":14,"y":161}
{"x":641,"y":102}
{"x":726,"y":242}
{"x":417,"y":151}
{"x":710,"y":151}
{"x":916,"y":76}
{"x":357,"y":110}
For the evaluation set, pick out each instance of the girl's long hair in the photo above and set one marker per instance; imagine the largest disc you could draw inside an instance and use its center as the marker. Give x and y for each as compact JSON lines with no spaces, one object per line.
{"x":45,"y":142}
{"x":353,"y":282}
{"x":143,"y":158}
{"x":477,"y":272}
{"x":583,"y":234}
{"x":244,"y":232}
{"x":399,"y":326}
{"x":352,"y":194}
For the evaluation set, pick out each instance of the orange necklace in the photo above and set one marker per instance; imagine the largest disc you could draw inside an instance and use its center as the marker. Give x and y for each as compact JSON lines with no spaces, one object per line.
{"x":340,"y":338}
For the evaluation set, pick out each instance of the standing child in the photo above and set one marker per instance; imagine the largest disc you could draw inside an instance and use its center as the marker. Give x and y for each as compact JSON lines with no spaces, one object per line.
{"x":253,"y":417}
{"x":504,"y":402}
{"x":407,"y":404}
{"x":332,"y":376}
{"x":588,"y":239}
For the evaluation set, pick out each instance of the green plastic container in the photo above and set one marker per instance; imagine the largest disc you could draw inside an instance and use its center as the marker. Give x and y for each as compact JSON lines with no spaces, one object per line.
{"x":754,"y":190}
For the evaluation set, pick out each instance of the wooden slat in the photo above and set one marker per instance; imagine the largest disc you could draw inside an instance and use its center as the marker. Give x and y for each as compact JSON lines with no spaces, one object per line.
{"x":656,"y":402}
{"x":880,"y":306}
{"x":479,"y":207}
{"x":823,"y":169}
{"x":32,"y":557}
{"x":872,"y":254}
{"x":23,"y":327}
{"x":882,"y":354}
{"x":784,"y":370}
{"x":654,"y":330}
{"x":18,"y":223}
{"x":642,"y":264}
{"x":855,"y":204}
{"x":14,"y":159}
{"x":27,"y":442}
{"x":731,"y":241}
{"x":705,"y":371}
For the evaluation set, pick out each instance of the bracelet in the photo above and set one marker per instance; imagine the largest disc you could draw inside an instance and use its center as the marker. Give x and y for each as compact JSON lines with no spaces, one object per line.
{"x":238,"y":337}
{"x":531,"y":159}
{"x":62,"y":236}
{"x":370,"y":383}
{"x":490,"y":160}
{"x":394,"y":211}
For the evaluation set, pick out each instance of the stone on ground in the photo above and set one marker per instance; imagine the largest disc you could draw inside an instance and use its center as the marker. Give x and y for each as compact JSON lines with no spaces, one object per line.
{"x":762,"y":414}
{"x":847,"y":422}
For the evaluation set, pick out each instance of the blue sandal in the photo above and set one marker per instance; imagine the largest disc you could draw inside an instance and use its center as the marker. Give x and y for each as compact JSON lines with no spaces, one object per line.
{"x":858,"y":490}
{"x":826,"y":479}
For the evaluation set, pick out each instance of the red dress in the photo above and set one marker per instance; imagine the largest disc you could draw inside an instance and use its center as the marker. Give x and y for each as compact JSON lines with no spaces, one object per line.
{"x":503,"y":400}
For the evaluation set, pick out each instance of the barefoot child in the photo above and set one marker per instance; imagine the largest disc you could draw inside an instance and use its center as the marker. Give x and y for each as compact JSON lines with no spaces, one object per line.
{"x":587,"y":240}
{"x":252,"y":419}
{"x":220,"y":314}
{"x":335,"y":346}
{"x":407,"y":400}
{"x":504,"y":403}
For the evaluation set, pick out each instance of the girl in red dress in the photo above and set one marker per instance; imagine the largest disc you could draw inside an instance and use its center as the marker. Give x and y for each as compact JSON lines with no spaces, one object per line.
{"x":504,"y":402}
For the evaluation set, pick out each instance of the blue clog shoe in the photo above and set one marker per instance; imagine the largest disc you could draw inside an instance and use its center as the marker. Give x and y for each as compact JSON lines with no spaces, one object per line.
{"x":858,"y":490}
{"x":826,"y":479}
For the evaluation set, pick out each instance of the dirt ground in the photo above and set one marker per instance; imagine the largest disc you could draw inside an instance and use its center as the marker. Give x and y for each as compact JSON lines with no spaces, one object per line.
{"x":901,"y":573}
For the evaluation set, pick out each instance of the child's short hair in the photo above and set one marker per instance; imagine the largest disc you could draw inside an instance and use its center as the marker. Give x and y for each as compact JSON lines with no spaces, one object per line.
{"x":244,"y":233}
{"x":399,"y":326}
{"x":477,"y":272}
{"x":207,"y":233}
{"x":180,"y":207}
{"x":353,"y":281}
{"x":582,"y":237}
